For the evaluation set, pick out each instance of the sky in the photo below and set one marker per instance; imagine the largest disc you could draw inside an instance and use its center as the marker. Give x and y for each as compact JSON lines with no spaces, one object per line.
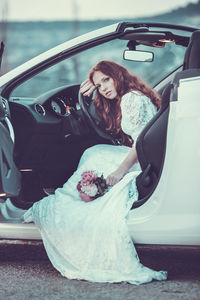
{"x":46,"y":10}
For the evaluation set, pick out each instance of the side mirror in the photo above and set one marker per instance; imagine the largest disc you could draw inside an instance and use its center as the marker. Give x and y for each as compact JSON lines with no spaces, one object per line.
{"x":137,"y":55}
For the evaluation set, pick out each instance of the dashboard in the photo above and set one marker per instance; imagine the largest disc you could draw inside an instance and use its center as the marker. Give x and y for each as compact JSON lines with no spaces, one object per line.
{"x":56,"y":103}
{"x":53,"y":118}
{"x":48,"y":112}
{"x":50,"y":134}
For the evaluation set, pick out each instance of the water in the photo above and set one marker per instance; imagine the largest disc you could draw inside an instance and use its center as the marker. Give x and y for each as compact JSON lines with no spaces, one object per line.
{"x":28,"y":39}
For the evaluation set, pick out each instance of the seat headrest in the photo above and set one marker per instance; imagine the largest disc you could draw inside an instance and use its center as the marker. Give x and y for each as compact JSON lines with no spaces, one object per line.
{"x":166,"y":97}
{"x":192,"y":54}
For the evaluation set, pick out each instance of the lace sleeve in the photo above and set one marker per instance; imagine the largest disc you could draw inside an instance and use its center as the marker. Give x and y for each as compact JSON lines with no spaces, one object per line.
{"x":137,"y":110}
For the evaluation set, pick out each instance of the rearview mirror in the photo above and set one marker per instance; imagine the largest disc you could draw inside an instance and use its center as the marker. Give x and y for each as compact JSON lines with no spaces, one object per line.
{"x":137,"y":55}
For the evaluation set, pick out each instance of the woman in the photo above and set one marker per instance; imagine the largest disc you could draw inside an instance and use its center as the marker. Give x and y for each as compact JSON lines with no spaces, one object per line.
{"x":90,"y":240}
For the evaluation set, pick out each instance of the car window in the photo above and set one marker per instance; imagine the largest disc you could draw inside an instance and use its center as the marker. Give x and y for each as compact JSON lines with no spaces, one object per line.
{"x":75,"y":69}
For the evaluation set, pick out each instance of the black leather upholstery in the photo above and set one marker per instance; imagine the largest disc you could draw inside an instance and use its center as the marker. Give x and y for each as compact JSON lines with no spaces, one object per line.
{"x":150,"y":148}
{"x":192,"y":54}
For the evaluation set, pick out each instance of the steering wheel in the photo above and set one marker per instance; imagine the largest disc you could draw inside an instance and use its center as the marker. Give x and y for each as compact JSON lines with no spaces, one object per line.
{"x":90,"y":115}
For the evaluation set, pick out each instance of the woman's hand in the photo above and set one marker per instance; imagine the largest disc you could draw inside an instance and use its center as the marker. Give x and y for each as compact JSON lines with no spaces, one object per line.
{"x":87,"y":88}
{"x":123,"y":168}
{"x":114,"y":177}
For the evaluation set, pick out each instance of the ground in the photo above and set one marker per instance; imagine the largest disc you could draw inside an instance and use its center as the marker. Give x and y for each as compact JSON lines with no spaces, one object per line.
{"x":26,"y":274}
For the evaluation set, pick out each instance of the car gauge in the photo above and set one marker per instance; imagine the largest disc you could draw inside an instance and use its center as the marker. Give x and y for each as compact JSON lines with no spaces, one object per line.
{"x":59,"y":107}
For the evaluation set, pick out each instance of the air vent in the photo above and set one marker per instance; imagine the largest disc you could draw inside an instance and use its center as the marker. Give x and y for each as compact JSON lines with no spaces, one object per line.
{"x":39,"y":109}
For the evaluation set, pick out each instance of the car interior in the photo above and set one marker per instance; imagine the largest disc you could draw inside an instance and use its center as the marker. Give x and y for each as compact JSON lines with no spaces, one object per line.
{"x":52,"y":132}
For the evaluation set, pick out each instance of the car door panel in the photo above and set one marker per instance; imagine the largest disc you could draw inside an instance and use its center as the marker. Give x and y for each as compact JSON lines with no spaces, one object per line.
{"x":10,"y":177}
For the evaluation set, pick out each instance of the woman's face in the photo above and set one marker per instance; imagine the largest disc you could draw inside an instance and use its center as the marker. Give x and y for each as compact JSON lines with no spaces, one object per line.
{"x":105,"y":85}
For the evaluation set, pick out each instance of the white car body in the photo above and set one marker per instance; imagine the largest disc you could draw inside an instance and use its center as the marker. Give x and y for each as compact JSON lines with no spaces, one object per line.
{"x":171,"y":216}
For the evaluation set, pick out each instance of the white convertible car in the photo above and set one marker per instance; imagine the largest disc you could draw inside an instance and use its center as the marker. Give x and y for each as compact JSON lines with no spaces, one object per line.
{"x":45,"y":126}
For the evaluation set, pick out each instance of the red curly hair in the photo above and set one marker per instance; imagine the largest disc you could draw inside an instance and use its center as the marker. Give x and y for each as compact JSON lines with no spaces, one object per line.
{"x":124,"y":82}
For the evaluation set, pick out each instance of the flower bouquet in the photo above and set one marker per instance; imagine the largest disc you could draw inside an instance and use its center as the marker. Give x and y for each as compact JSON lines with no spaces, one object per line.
{"x":91,"y":186}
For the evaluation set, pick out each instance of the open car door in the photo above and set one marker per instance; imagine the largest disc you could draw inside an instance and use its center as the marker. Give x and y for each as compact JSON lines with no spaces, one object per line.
{"x":1,"y":52}
{"x":10,"y":177}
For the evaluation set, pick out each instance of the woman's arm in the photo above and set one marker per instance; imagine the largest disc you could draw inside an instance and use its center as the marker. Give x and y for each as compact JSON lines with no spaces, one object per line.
{"x":127,"y":163}
{"x":137,"y":110}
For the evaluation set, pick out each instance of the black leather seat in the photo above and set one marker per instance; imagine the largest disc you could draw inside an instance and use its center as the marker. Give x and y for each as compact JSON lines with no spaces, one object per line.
{"x":192,"y":54}
{"x":151,"y":143}
{"x":191,"y":64}
{"x":150,"y":147}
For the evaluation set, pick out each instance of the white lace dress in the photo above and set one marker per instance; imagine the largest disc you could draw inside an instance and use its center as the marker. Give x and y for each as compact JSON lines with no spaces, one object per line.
{"x":90,"y":240}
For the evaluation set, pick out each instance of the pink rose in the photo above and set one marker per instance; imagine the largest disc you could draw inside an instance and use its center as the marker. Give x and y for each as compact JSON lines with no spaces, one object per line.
{"x":88,"y":175}
{"x":85,"y":197}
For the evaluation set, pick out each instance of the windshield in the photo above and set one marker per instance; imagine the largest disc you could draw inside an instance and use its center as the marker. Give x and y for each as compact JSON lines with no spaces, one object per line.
{"x":75,"y":69}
